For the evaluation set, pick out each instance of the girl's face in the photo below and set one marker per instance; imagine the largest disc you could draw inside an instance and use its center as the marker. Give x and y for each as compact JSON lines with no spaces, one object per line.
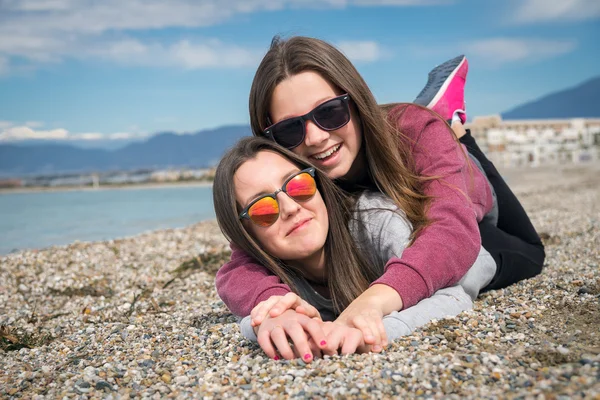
{"x":334,"y":152}
{"x":298,"y":235}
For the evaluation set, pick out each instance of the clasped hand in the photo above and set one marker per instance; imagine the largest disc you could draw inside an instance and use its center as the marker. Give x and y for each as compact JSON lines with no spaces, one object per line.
{"x":282,"y":319}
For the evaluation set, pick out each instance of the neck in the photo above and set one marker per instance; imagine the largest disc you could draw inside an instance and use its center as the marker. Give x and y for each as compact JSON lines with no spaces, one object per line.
{"x":313,"y":267}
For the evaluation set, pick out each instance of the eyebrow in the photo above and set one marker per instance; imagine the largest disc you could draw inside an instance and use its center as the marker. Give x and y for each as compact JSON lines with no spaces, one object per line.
{"x":315,"y":104}
{"x":260,"y":194}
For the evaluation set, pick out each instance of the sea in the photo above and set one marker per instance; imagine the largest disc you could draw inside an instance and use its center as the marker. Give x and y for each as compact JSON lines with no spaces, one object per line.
{"x":38,"y":219}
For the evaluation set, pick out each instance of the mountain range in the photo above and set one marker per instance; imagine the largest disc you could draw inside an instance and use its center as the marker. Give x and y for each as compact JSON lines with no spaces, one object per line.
{"x":204,"y":148}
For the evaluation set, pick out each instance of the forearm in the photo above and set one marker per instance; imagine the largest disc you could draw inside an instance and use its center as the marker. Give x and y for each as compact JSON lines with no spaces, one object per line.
{"x":232,"y":283}
{"x":444,"y":303}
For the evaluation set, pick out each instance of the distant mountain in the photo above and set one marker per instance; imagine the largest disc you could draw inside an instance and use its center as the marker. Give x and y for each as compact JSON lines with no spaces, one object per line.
{"x":202,"y":149}
{"x":582,"y":101}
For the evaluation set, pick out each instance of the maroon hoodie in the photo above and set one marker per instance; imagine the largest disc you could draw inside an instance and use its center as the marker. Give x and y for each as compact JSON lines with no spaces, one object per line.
{"x":442,"y":253}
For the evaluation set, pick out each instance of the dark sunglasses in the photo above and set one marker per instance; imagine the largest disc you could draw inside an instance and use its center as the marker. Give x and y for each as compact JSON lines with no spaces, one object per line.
{"x":329,"y":116}
{"x":264,"y":210}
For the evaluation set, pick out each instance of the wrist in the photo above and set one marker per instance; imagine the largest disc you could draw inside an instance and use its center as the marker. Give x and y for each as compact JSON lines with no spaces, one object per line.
{"x":385,"y":298}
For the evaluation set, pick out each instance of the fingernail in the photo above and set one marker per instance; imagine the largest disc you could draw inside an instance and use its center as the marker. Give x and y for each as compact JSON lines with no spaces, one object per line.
{"x":377,"y":348}
{"x":276,"y":358}
{"x":307,"y":356}
{"x":323,"y":343}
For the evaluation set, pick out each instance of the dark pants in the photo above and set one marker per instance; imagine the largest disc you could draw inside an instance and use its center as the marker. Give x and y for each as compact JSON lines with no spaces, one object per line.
{"x":513,"y":243}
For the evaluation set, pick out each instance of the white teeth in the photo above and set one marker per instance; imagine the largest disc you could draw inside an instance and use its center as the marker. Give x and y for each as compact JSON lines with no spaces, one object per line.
{"x":327,"y":153}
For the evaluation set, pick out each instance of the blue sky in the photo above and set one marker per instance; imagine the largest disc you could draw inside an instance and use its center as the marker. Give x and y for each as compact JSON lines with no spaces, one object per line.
{"x":89,"y":70}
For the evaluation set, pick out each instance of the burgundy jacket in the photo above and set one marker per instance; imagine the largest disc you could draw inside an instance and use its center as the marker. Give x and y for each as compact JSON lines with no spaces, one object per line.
{"x":442,"y":253}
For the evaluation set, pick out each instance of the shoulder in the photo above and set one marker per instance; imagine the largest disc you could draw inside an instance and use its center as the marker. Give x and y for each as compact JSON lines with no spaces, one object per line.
{"x":374,"y":209}
{"x":415,"y":121}
{"x":370,"y":200}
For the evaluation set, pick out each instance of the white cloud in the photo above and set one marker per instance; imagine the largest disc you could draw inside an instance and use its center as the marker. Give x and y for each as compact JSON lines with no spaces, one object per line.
{"x":11,"y":133}
{"x":362,"y":51}
{"x":50,"y":31}
{"x":528,"y":11}
{"x":16,"y":133}
{"x":500,"y":51}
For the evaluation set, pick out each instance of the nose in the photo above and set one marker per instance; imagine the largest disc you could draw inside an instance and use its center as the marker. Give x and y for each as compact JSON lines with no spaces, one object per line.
{"x":314,"y":134}
{"x":287,"y":206}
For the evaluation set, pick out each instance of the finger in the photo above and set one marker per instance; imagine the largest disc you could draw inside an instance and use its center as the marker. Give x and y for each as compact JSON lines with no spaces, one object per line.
{"x":280,"y":340}
{"x":374,"y":325}
{"x":384,"y":339}
{"x":334,"y":341}
{"x":308,"y":309}
{"x":300,"y":340}
{"x":264,"y":340}
{"x":314,"y":329}
{"x":260,"y":312}
{"x":289,"y":301}
{"x":359,"y":322}
{"x":314,"y":348}
{"x":352,"y":340}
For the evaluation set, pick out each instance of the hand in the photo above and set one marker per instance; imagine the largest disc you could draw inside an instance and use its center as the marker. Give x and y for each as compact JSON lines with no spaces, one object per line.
{"x":366,"y":313}
{"x":275,"y":305}
{"x":344,"y":339}
{"x":273,"y":335}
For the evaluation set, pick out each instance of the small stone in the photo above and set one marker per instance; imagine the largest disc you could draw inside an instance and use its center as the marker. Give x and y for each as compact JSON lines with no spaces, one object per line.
{"x":82,"y":386}
{"x":148,"y":363}
{"x":583,"y":290}
{"x":166,"y":378}
{"x":182,"y":379}
{"x":103,"y":385}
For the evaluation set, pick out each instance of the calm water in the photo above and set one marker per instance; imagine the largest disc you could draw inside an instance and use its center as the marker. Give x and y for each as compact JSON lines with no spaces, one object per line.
{"x":37,"y":220}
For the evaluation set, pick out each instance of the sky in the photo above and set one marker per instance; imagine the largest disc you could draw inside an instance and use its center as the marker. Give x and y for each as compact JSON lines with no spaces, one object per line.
{"x":114,"y":70}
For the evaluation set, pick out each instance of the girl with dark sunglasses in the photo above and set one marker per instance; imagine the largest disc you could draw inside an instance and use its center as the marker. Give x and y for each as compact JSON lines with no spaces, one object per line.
{"x":307,"y":96}
{"x":293,"y":219}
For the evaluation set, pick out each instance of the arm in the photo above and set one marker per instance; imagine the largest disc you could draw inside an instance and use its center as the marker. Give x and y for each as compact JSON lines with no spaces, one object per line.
{"x":232,"y":283}
{"x":444,"y":303}
{"x":445,"y":250}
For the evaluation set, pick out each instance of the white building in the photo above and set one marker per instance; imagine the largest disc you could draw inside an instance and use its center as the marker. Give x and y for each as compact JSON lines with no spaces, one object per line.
{"x":533,"y":143}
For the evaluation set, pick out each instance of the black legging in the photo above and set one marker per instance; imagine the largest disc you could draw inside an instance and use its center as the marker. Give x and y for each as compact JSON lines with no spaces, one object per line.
{"x":513,"y":243}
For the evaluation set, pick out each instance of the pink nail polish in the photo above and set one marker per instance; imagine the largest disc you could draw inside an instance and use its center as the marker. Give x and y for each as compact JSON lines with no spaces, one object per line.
{"x":307,"y":356}
{"x":276,"y":358}
{"x":323,"y":343}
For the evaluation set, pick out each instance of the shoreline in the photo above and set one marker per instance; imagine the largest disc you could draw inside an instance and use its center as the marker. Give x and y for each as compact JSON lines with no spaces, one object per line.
{"x":40,"y":189}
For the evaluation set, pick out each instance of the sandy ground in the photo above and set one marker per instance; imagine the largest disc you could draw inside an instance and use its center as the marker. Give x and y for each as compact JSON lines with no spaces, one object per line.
{"x":139,"y":317}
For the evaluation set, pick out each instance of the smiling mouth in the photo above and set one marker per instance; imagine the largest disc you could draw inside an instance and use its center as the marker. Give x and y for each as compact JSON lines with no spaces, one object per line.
{"x":298,"y":225}
{"x":327,"y":153}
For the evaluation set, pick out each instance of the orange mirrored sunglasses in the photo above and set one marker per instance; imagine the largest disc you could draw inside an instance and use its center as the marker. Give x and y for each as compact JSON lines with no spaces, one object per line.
{"x":264,"y":210}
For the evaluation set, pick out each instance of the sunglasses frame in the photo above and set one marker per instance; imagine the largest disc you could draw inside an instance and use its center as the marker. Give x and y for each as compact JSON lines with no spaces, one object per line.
{"x":309,"y":116}
{"x":244,"y":214}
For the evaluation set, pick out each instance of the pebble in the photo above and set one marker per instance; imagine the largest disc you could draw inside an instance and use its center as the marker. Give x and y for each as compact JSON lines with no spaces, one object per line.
{"x":113,"y":320}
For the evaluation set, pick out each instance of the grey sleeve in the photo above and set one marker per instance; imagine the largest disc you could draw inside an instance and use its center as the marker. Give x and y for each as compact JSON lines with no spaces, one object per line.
{"x":445,"y":302}
{"x":379,"y":228}
{"x":246,"y":328}
{"x":479,"y":275}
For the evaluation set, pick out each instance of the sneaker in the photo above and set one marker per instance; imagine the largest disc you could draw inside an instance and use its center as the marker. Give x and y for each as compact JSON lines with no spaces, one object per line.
{"x":444,"y":92}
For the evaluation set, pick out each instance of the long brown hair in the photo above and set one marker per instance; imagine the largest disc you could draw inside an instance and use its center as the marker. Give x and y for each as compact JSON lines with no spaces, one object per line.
{"x":390,"y":165}
{"x":348,"y":275}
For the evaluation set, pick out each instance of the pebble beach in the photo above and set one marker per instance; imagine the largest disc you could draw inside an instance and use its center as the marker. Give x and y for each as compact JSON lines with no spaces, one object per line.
{"x":139,"y":317}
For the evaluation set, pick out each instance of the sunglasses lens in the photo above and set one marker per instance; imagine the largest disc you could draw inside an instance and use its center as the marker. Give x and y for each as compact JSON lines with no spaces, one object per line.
{"x":289,"y":133}
{"x":301,"y":187}
{"x":332,"y":115}
{"x":264,"y":212}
